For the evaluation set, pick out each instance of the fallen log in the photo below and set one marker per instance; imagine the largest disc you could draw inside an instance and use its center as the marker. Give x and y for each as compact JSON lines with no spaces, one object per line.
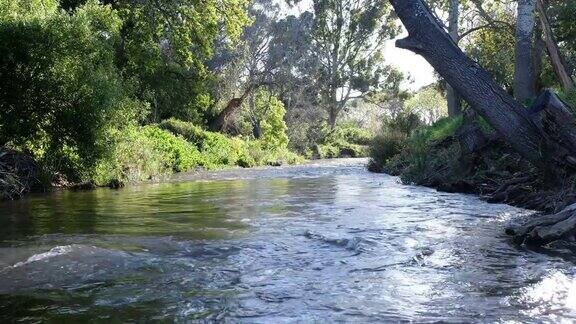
{"x":546,"y":229}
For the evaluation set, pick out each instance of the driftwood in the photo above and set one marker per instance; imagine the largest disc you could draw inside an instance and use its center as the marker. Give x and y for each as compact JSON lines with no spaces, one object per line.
{"x":546,"y":229}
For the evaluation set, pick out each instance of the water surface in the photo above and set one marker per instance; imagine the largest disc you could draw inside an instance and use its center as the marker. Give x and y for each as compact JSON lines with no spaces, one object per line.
{"x":322,"y":242}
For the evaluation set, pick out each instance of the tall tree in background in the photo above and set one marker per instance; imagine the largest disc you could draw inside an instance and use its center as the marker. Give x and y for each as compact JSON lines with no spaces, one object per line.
{"x":245,"y":67}
{"x":348,"y":40}
{"x":556,"y":58}
{"x":452,"y":97}
{"x":524,"y":78}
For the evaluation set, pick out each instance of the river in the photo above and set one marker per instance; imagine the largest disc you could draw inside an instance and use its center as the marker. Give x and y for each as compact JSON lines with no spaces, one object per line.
{"x":321,"y":242}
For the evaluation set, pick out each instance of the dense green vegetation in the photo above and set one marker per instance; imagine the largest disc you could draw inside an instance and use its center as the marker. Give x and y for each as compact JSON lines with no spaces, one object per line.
{"x":83,"y":88}
{"x":109,"y":91}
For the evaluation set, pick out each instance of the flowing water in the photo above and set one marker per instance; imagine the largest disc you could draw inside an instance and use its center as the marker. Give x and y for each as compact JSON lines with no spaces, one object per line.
{"x":321,"y":242}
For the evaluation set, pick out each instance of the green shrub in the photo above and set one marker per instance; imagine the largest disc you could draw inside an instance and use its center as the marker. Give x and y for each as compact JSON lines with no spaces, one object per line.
{"x":218,"y":150}
{"x":383,"y":148}
{"x":179,"y":154}
{"x":64,"y":92}
{"x":143,"y":152}
{"x":424,"y":158}
{"x":329,"y":151}
{"x":350,"y":133}
{"x":346,"y":140}
{"x":441,"y":129}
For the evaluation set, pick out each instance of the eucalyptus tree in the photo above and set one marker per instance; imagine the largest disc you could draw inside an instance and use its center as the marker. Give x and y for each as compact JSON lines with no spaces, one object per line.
{"x":296,"y":73}
{"x":348,"y":38}
{"x":524,"y":78}
{"x":244,"y":68}
{"x":164,"y":47}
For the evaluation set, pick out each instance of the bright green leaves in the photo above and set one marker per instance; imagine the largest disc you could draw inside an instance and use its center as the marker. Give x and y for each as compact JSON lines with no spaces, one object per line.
{"x":166,"y":45}
{"x":63,"y":91}
{"x":270,"y":112}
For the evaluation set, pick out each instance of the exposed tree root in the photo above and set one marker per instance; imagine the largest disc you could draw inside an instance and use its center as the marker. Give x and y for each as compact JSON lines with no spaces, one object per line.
{"x":546,"y":228}
{"x":17,"y":174}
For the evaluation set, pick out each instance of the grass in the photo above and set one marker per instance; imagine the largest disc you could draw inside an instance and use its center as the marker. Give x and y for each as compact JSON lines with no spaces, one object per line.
{"x":177,"y":146}
{"x":346,"y":140}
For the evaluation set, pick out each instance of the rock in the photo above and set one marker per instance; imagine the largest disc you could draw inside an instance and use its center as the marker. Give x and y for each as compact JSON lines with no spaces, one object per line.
{"x":115,"y":184}
{"x":86,"y":185}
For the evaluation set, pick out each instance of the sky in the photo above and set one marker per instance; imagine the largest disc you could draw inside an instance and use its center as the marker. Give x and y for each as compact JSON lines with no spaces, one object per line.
{"x":420,"y":71}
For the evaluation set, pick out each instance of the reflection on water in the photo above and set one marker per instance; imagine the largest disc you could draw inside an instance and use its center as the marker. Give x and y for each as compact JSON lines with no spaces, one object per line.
{"x":326,"y":242}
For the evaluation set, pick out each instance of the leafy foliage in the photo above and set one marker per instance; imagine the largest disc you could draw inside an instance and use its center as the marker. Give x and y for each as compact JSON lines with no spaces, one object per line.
{"x":63,"y":92}
{"x":270,"y":113}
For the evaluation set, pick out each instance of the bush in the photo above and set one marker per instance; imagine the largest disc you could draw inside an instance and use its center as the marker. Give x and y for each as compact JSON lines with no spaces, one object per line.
{"x":430,"y":156}
{"x":383,"y":148}
{"x":143,"y":152}
{"x":62,"y":92}
{"x":346,"y":140}
{"x":219,"y":150}
{"x":179,"y":154}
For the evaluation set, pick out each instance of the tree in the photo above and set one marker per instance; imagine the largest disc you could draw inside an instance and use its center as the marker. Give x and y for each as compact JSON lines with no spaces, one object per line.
{"x":556,"y":58}
{"x":247,"y":66}
{"x":297,"y":79}
{"x":347,"y":37}
{"x":429,"y":104}
{"x":61,"y":91}
{"x":546,"y":137}
{"x":524,"y":78}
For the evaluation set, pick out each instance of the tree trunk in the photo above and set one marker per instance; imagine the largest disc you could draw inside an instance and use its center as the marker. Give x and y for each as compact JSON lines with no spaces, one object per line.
{"x":256,"y":129}
{"x":220,"y":123}
{"x":452,"y":98}
{"x":524,"y":81}
{"x":332,"y":116}
{"x":508,"y":117}
{"x":545,"y":134}
{"x":553,"y":51}
{"x":538,"y":57}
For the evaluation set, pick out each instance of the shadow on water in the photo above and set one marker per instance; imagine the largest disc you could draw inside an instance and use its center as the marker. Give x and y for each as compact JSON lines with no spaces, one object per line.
{"x":321,"y":242}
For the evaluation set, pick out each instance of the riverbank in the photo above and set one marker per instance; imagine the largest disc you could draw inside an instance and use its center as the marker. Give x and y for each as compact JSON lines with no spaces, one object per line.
{"x":138,"y":154}
{"x":469,"y":157}
{"x":147,"y":153}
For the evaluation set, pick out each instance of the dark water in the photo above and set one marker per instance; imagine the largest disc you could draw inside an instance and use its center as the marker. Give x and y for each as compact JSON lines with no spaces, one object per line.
{"x":318,"y":243}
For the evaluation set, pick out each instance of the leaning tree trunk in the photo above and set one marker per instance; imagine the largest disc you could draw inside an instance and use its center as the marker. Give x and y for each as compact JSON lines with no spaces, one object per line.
{"x":524,"y":81}
{"x":220,"y":123}
{"x":553,"y":51}
{"x":545,"y":134}
{"x":540,"y":145}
